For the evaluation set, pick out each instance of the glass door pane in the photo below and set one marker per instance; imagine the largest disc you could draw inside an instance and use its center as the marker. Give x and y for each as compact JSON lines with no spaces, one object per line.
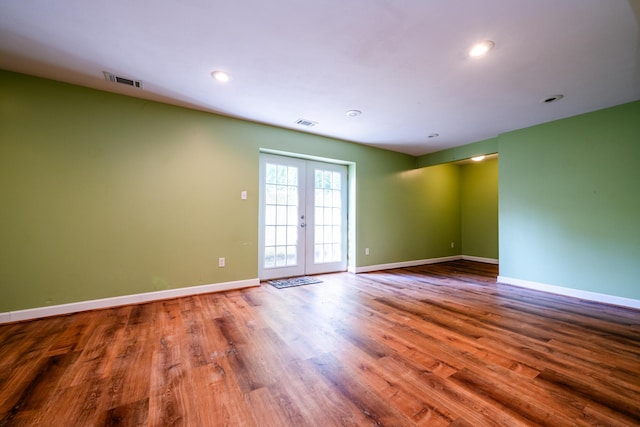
{"x":328,"y":218}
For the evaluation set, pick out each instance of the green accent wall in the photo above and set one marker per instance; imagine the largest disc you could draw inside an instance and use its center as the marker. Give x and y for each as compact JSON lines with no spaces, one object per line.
{"x":479,"y":208}
{"x":106,"y":195}
{"x":569,"y":202}
{"x":433,"y":201}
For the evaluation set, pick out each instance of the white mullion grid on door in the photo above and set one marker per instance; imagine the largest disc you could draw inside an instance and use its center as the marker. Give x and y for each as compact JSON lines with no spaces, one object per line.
{"x":281,"y":240}
{"x":326,"y":213}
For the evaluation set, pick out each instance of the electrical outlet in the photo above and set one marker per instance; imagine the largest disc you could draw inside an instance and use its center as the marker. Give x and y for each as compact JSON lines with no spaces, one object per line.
{"x":366,"y":251}
{"x":453,"y":245}
{"x":221,"y":262}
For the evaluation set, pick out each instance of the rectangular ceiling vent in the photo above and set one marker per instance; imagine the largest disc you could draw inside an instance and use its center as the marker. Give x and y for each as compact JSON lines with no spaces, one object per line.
{"x":305,"y":122}
{"x":122,"y":80}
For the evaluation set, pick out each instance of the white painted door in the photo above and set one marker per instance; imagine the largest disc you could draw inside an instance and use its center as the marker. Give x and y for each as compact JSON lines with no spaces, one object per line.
{"x":303,"y":217}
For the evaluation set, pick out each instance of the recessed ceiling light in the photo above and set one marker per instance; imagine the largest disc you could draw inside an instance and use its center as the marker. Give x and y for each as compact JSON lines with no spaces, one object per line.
{"x":477,"y":158}
{"x":221,"y":76}
{"x":552,"y":98}
{"x":481,"y":48}
{"x":433,"y":135}
{"x":353,"y":113}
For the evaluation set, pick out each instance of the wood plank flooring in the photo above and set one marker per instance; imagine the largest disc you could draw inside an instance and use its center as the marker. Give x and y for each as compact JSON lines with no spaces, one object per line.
{"x":438,"y":345}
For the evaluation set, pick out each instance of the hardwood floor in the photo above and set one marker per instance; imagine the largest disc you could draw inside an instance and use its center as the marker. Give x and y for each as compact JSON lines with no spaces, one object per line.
{"x":435,"y":345}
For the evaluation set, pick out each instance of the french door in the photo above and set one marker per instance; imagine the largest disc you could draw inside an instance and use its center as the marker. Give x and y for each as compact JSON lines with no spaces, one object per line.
{"x":303,"y":217}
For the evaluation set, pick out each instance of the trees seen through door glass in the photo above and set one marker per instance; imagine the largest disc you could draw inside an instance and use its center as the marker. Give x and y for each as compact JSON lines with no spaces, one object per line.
{"x":328,"y":216}
{"x":281,"y":215}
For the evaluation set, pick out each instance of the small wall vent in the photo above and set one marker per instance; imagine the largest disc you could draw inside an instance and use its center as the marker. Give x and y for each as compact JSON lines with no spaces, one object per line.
{"x":122,"y":80}
{"x":305,"y":122}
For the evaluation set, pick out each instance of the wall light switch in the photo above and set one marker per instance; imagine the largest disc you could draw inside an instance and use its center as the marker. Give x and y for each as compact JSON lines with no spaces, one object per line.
{"x":366,"y":251}
{"x":243,"y":195}
{"x":221,"y":262}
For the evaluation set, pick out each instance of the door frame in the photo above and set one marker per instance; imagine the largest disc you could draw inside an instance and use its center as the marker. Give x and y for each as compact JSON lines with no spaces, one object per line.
{"x":350,"y":234}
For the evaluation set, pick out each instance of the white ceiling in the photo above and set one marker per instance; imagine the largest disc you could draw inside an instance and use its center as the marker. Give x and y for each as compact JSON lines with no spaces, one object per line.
{"x":403,"y":63}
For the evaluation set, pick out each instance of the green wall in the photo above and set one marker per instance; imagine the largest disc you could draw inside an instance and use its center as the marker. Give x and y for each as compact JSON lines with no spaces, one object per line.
{"x":570,"y":202}
{"x":105,"y":195}
{"x":434,"y":203}
{"x":479,"y":208}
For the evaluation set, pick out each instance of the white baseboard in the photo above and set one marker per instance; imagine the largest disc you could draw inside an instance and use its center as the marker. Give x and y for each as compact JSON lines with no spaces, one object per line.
{"x":55,"y":310}
{"x":570,"y":292}
{"x":480,"y":259}
{"x":368,"y":268}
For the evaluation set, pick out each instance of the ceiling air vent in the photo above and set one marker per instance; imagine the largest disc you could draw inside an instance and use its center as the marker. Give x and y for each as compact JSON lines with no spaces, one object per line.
{"x":305,"y":122}
{"x":122,"y":80}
